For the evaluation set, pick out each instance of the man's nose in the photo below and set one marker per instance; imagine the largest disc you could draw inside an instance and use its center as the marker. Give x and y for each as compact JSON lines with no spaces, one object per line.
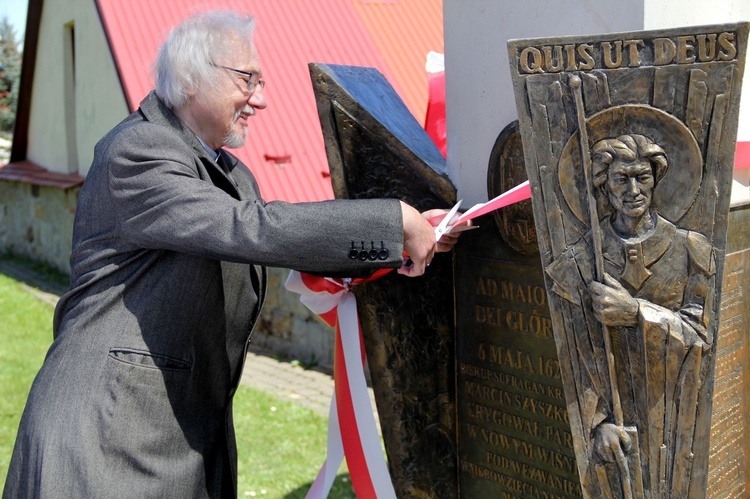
{"x":258,"y":99}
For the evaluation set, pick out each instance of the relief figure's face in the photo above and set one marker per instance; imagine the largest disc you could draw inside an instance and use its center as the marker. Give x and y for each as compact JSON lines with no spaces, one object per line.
{"x":630,"y":187}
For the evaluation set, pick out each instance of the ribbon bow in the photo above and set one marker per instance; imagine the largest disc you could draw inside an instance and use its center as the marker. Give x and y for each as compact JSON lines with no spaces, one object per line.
{"x":333,"y":300}
{"x":352,"y":431}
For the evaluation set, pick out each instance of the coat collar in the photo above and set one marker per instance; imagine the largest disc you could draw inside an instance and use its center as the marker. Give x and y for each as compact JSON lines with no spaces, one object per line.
{"x":158,"y":113}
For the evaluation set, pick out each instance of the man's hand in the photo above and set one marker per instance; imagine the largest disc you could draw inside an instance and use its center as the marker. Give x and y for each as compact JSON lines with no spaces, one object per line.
{"x":419,"y":241}
{"x":613,"y":305}
{"x":449,"y":240}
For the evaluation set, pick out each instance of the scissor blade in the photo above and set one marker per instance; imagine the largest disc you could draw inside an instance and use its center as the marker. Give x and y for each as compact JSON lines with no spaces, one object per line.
{"x":444,"y":225}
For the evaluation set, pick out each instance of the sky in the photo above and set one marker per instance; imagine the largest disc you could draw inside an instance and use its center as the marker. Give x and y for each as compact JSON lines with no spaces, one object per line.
{"x":15,"y":11}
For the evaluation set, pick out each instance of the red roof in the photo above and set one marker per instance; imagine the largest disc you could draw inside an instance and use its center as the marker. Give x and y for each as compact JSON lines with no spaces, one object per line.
{"x":390,"y":35}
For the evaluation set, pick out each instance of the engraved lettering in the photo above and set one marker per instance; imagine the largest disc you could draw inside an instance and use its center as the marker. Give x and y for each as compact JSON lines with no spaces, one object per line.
{"x":534,"y":324}
{"x":529,"y":472}
{"x":518,"y":488}
{"x":553,"y":63}
{"x":614,"y":54}
{"x":531,"y":60}
{"x":525,"y":294}
{"x":612,"y":60}
{"x":685,"y":49}
{"x":558,"y":436}
{"x":555,"y":392}
{"x":706,"y":47}
{"x":570,"y":57}
{"x":585,"y":51}
{"x":728,"y":47}
{"x":486,"y":287}
{"x":500,"y":397}
{"x":511,"y":381}
{"x":488,"y":315}
{"x":632,"y":46}
{"x":664,"y":51}
{"x":516,"y":359}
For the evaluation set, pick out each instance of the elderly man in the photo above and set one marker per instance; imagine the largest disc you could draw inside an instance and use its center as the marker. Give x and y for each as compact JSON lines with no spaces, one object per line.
{"x":169,"y":247}
{"x":655,"y":302}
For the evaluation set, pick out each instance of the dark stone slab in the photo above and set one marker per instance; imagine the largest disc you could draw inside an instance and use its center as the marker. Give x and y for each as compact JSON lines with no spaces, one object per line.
{"x":376,"y":148}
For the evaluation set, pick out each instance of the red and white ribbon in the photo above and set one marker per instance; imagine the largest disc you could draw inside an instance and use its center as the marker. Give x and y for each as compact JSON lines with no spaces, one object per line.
{"x":352,"y":432}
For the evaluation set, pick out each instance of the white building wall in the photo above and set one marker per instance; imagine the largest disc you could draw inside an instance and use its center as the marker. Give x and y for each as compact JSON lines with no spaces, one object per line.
{"x":479,"y":93}
{"x":100,"y":102}
{"x":675,"y":13}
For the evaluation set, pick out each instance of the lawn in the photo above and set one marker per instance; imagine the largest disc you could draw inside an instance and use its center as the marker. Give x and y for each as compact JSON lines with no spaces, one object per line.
{"x":281,"y":444}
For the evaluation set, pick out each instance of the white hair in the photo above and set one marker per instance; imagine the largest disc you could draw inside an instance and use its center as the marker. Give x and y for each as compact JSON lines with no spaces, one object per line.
{"x":186,"y":59}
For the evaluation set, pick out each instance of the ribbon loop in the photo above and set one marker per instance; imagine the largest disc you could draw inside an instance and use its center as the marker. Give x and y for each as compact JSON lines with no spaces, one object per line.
{"x":352,"y":430}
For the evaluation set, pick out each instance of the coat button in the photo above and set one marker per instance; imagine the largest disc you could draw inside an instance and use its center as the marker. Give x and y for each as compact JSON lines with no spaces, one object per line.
{"x":354,"y":252}
{"x":383,"y":254}
{"x":363,"y":255}
{"x":373,"y":255}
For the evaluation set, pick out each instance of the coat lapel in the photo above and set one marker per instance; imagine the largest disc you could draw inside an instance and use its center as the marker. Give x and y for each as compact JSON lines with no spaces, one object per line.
{"x":238,"y":182}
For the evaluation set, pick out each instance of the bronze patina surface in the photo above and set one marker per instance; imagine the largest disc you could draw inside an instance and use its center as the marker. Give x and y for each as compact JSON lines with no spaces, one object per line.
{"x":513,"y":431}
{"x":498,"y":405}
{"x":506,"y":170}
{"x":629,"y":141}
{"x":729,"y":460}
{"x":484,"y":439}
{"x":376,"y":148}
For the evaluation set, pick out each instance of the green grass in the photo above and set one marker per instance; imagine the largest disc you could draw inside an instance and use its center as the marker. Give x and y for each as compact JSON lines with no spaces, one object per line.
{"x":25,"y":334}
{"x":281,"y":444}
{"x":281,"y":447}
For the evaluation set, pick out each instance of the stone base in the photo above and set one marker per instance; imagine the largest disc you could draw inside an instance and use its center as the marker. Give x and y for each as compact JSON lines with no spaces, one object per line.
{"x":36,"y":221}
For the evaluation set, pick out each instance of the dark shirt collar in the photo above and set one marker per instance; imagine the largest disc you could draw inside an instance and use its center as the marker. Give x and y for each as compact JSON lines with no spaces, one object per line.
{"x":213,"y":154}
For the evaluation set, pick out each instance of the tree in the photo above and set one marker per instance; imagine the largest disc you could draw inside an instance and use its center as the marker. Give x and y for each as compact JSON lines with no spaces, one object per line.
{"x":10,"y":75}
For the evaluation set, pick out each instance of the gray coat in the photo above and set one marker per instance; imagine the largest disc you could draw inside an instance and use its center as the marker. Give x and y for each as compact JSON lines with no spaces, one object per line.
{"x":134,"y":397}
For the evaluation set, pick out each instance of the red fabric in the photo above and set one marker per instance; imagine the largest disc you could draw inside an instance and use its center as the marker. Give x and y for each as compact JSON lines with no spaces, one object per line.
{"x":355,"y":455}
{"x":434,"y":123}
{"x":350,"y":438}
{"x":742,"y":155}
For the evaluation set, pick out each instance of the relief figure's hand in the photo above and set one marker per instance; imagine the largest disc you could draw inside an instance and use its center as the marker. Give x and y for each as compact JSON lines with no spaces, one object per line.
{"x":612,"y":443}
{"x":613,"y":304}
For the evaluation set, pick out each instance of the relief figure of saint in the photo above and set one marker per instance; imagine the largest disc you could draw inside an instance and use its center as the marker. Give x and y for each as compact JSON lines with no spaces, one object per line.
{"x":654,"y":300}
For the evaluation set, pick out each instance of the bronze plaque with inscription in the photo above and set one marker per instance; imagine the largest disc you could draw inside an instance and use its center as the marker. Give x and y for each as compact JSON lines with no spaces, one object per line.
{"x":513,"y":431}
{"x":729,"y":460}
{"x":628,"y":141}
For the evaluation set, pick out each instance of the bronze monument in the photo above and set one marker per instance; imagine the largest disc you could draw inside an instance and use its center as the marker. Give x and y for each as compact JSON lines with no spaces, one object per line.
{"x":568,"y":346}
{"x":628,"y":141}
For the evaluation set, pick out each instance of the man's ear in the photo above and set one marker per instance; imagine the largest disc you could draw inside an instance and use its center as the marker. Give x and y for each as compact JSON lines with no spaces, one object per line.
{"x":191,"y":90}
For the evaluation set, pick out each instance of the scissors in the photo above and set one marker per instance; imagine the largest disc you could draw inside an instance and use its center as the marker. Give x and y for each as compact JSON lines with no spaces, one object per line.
{"x":445,"y":226}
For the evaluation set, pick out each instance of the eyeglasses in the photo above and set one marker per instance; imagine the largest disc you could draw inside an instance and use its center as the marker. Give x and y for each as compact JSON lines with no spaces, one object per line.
{"x":253,"y":80}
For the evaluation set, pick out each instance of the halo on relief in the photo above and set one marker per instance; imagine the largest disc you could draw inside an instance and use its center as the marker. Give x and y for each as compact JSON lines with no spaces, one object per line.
{"x":674,"y":194}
